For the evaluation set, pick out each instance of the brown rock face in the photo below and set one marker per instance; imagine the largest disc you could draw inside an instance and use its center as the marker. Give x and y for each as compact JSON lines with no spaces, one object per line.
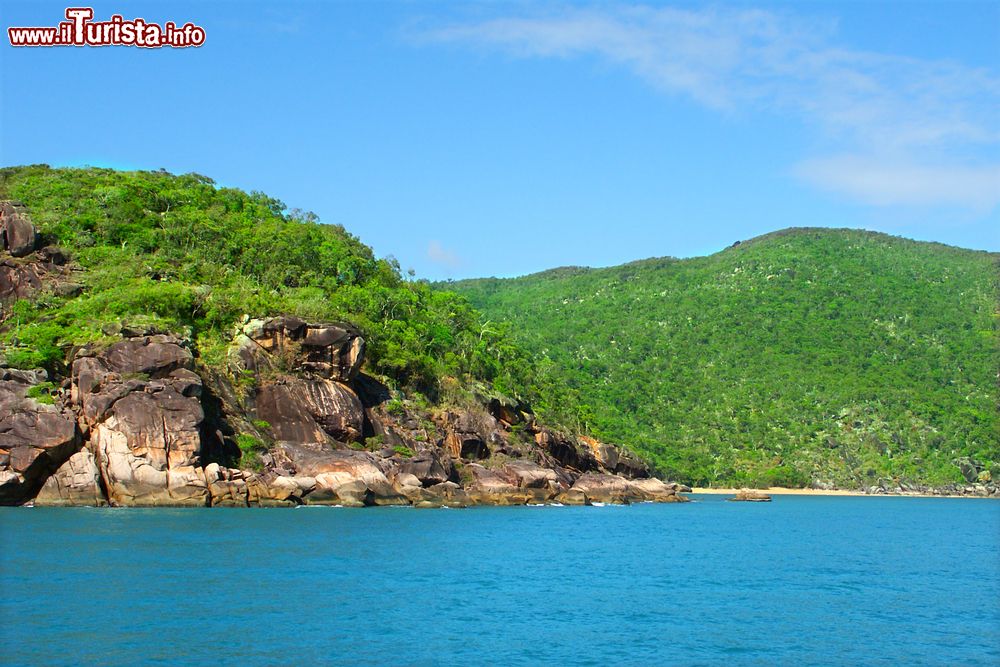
{"x":17,"y":234}
{"x":230,"y":487}
{"x":654,"y":490}
{"x":311,"y":411}
{"x":445,"y":494}
{"x":492,"y":487}
{"x":343,"y":477}
{"x":469,"y":434}
{"x":573,"y":496}
{"x":330,"y":351}
{"x":155,"y":356}
{"x":613,"y":459}
{"x":601,"y":488}
{"x":565,"y":450}
{"x":139,"y":404}
{"x":23,"y":274}
{"x":76,"y":483}
{"x":509,"y":413}
{"x":466,"y":446}
{"x":24,"y":278}
{"x":20,"y":280}
{"x":35,"y":439}
{"x":426,"y":467}
{"x":533,"y":476}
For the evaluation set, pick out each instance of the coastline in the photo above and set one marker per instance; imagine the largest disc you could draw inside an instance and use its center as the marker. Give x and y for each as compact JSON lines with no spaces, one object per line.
{"x":782,"y":491}
{"x":785,"y":491}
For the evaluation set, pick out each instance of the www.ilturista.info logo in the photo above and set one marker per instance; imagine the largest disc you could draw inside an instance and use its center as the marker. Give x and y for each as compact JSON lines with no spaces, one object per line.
{"x":79,"y":30}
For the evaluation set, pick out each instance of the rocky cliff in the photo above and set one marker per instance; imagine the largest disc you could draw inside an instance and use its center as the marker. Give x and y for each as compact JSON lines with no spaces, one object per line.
{"x":293,"y":419}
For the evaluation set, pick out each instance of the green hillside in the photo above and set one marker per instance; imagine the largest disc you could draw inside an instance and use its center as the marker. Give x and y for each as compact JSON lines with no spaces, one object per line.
{"x":808,"y":355}
{"x":179,"y":254}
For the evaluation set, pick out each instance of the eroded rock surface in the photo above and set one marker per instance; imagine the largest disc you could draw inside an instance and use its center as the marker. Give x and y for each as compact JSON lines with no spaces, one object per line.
{"x":615,"y":460}
{"x":36,"y":437}
{"x":495,"y":487}
{"x":136,"y":425}
{"x":17,"y":235}
{"x":232,"y":487}
{"x":77,"y":482}
{"x":331,"y":351}
{"x":139,"y":405}
{"x":427,"y":469}
{"x":311,"y":411}
{"x":26,"y":269}
{"x":344,"y":477}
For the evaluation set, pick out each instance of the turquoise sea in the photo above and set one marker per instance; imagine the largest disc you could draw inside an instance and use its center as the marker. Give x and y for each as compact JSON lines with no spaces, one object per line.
{"x":799,"y":581}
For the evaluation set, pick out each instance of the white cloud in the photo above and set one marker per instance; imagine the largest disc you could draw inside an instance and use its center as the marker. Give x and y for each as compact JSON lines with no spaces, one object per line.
{"x":887,"y":184}
{"x":438,"y":254}
{"x":901,"y":113}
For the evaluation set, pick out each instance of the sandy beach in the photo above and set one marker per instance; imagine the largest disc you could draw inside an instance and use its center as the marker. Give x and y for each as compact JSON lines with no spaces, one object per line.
{"x":782,"y":491}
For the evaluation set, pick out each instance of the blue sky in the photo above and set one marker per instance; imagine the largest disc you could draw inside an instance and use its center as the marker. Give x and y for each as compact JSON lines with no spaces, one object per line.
{"x":506,"y":138}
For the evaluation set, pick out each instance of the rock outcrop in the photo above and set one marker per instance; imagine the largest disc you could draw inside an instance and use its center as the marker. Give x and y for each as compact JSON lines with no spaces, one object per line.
{"x":36,"y":437}
{"x":232,"y":487}
{"x":495,"y":487}
{"x":310,"y":411}
{"x":651,"y":489}
{"x":330,"y":351}
{"x":566,"y":451}
{"x":139,"y":405}
{"x":77,"y":482}
{"x":614,"y":459}
{"x":427,"y":469}
{"x":26,"y":269}
{"x":751,"y":496}
{"x":135,"y":424}
{"x":344,"y":477}
{"x":17,"y":235}
{"x":603,"y":488}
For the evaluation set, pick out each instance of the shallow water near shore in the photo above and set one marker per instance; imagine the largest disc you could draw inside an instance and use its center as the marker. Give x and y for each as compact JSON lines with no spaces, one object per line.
{"x":801,"y":580}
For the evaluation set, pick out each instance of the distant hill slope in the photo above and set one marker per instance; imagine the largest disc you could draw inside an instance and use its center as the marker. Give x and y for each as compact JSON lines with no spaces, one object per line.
{"x":806,"y":355}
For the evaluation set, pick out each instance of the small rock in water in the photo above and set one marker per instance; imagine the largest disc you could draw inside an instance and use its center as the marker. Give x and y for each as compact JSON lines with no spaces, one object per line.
{"x":751,"y":496}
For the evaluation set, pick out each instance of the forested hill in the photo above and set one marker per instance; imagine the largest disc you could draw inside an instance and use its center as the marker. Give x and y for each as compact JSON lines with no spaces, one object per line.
{"x":182,"y":255}
{"x":807,"y":355}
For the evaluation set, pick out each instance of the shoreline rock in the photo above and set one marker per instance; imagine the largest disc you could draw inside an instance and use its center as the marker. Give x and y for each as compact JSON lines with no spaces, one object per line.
{"x":139,"y":424}
{"x":36,"y":436}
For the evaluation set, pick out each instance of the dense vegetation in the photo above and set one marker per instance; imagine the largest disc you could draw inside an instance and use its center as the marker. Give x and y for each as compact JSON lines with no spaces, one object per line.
{"x":180,"y":254}
{"x":806,"y":355}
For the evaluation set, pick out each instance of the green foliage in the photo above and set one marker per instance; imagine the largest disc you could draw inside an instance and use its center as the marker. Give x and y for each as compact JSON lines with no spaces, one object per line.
{"x":465,"y":475}
{"x":250,"y":448}
{"x":262,"y":424}
{"x":42,"y":392}
{"x":403,"y":451}
{"x":832,"y":355}
{"x":186,"y":256}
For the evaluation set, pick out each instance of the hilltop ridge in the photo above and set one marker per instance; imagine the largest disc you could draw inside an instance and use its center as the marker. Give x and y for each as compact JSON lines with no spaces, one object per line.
{"x":831,"y":357}
{"x":573,"y":269}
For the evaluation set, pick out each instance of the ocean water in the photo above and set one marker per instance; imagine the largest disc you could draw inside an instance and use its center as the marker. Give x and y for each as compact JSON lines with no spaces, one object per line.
{"x":799,"y":581}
